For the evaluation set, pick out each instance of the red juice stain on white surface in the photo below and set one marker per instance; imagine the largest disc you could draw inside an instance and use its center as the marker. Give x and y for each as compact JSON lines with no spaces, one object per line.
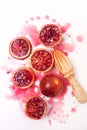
{"x":38,"y":17}
{"x":66,"y":47}
{"x":31,"y":18}
{"x":32,"y":32}
{"x":53,"y":20}
{"x":56,"y":110}
{"x":80,"y":38}
{"x":23,"y":94}
{"x":7,"y":69}
{"x":73,"y":110}
{"x":72,"y":93}
{"x":65,"y":27}
{"x":47,"y":17}
{"x":50,"y":122}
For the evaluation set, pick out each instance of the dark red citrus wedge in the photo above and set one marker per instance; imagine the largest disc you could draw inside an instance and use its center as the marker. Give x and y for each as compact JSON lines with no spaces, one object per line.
{"x":20,"y":48}
{"x":23,"y":78}
{"x":50,"y":35}
{"x":41,"y":60}
{"x":35,"y":108}
{"x":51,"y":85}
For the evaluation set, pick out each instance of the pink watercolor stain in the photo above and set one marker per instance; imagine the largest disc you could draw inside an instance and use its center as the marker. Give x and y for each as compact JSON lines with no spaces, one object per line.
{"x":65,"y":27}
{"x":38,"y":17}
{"x":50,"y":122}
{"x":47,"y":17}
{"x":80,"y":38}
{"x":23,"y":94}
{"x":54,"y":20}
{"x":56,"y":110}
{"x":32,"y":32}
{"x":73,"y":110}
{"x":7,"y":69}
{"x":72,"y":93}
{"x":32,"y":18}
{"x":66,"y":47}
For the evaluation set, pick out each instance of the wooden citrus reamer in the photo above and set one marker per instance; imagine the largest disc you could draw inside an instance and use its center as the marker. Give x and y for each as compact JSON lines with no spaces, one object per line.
{"x":64,"y":66}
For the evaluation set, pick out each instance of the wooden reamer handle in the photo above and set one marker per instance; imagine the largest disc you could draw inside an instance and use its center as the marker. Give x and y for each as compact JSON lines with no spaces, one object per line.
{"x":79,"y":92}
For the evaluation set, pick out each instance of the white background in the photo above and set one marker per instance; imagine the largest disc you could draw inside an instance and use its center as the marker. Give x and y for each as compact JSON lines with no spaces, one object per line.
{"x":12,"y":16}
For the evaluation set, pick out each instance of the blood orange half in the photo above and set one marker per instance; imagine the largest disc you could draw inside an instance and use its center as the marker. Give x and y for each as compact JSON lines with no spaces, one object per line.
{"x":35,"y":107}
{"x":50,"y":35}
{"x":41,"y":60}
{"x":23,"y":78}
{"x":20,"y":48}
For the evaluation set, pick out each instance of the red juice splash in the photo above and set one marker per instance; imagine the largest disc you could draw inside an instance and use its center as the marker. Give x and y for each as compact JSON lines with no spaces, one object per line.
{"x":66,"y":47}
{"x":32,"y":32}
{"x":56,"y":110}
{"x":65,"y":27}
{"x":80,"y":38}
{"x":31,"y":18}
{"x":23,"y":94}
{"x":53,"y":20}
{"x":7,"y":69}
{"x":38,"y":17}
{"x":67,"y":44}
{"x":73,"y":110}
{"x":47,"y":17}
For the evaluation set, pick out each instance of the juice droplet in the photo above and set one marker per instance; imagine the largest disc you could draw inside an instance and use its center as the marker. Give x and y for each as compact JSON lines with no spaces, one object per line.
{"x":65,"y":27}
{"x":66,"y":47}
{"x":47,"y":16}
{"x":22,"y":95}
{"x":38,"y":17}
{"x":56,"y":110}
{"x":73,"y":110}
{"x":50,"y":122}
{"x":32,"y":32}
{"x":31,"y":18}
{"x":80,"y":38}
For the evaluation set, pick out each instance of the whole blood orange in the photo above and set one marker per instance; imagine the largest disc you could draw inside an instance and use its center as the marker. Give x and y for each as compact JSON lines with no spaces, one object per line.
{"x":51,"y":85}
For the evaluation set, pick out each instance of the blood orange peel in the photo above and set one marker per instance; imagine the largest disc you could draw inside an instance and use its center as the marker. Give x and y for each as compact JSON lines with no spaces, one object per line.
{"x":35,"y":107}
{"x":41,"y":60}
{"x":23,"y":78}
{"x":50,"y":35}
{"x":20,"y":48}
